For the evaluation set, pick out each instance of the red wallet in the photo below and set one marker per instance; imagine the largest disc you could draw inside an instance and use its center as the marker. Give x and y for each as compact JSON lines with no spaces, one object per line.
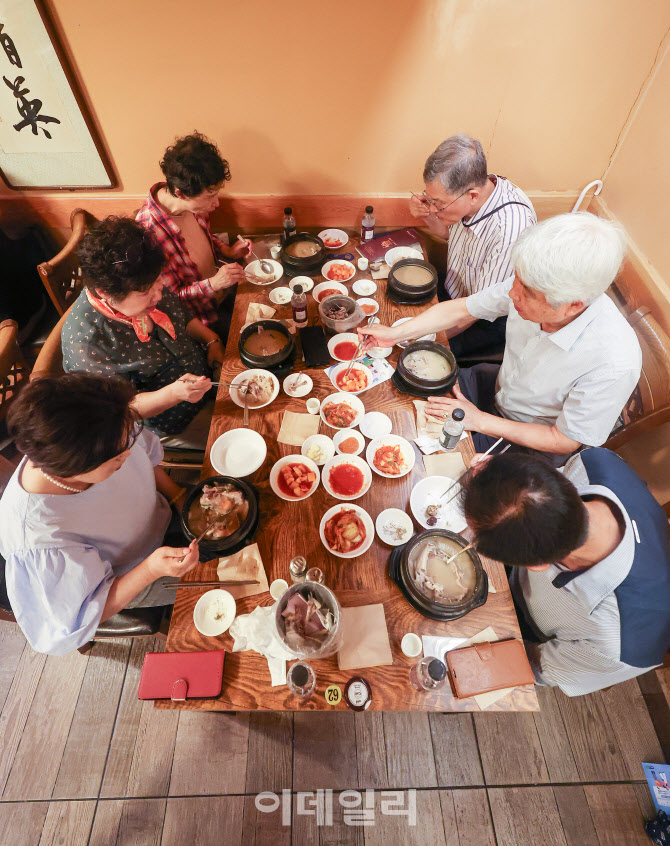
{"x":181,"y":675}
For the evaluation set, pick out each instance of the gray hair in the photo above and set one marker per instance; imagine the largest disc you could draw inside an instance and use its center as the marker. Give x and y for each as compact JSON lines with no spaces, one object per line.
{"x":459,"y":163}
{"x":569,"y":258}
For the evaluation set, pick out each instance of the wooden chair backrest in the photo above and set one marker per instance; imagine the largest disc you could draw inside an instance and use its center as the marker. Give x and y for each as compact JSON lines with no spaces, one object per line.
{"x":13,"y":368}
{"x":61,"y":275}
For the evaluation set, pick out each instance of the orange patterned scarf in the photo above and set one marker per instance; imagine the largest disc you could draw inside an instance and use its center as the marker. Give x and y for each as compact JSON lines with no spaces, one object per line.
{"x":139,"y":324}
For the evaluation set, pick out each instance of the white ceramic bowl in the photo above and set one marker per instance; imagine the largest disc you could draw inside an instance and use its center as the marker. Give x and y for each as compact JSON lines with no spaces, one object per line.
{"x":400,"y":519}
{"x":281,"y":295}
{"x":238,"y":397}
{"x":306,"y":384}
{"x":214,"y":628}
{"x":342,"y":435}
{"x":427,"y":492}
{"x":406,"y":449}
{"x":343,"y":337}
{"x":396,"y":253}
{"x":364,"y":287}
{"x":324,"y":443}
{"x":340,"y":368}
{"x":411,"y":645}
{"x":375,"y":424}
{"x":338,"y":237}
{"x":367,"y":522}
{"x":304,"y":281}
{"x":351,"y":400}
{"x":254,"y":273}
{"x":403,"y":344}
{"x":329,"y":286}
{"x":368,"y":301}
{"x":356,"y":461}
{"x":293,"y":459}
{"x":349,"y":266}
{"x":380,"y":352}
{"x":238,"y":452}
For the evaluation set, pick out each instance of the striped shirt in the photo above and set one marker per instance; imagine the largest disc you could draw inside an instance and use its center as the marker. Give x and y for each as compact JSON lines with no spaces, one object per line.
{"x":478,"y":251}
{"x":577,"y":379}
{"x":581,"y":618}
{"x":181,"y":274}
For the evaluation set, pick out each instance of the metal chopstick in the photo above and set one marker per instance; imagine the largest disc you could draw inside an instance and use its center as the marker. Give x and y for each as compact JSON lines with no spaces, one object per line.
{"x":179,"y":585}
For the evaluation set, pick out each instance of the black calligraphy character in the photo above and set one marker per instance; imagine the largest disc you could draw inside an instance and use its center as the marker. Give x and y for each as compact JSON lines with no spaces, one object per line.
{"x":9,"y":48}
{"x":28,"y":109}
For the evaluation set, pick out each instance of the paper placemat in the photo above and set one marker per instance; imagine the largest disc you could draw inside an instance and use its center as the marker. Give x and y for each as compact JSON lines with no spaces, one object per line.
{"x":258,"y":311}
{"x":296,"y":428}
{"x":365,"y":639}
{"x":245,"y":564}
{"x":449,"y":464}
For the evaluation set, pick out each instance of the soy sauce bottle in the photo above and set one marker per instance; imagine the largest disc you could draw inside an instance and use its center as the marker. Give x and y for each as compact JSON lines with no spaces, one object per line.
{"x":288,"y":223}
{"x":368,"y":224}
{"x":299,"y":306}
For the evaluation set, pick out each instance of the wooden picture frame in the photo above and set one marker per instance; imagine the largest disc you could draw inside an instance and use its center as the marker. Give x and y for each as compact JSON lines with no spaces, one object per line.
{"x":47,"y":137}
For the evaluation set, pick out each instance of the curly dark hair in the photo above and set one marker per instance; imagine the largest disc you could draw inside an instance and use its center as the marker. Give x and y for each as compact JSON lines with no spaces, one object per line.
{"x":118,"y":256}
{"x":193,"y":164}
{"x":71,"y":424}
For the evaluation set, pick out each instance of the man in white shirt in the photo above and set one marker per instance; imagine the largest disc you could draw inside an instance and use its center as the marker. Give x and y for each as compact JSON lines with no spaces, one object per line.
{"x":481,"y":215}
{"x":571,"y":359}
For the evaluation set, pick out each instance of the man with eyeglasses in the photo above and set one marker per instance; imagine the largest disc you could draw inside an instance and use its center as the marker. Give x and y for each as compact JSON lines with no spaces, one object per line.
{"x":481,"y":215}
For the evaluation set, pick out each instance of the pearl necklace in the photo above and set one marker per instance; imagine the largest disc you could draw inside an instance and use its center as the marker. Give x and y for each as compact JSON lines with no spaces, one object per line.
{"x":60,"y":484}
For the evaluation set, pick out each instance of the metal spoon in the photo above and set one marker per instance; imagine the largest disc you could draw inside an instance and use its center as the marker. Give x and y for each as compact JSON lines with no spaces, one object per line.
{"x":266,"y":267}
{"x":456,"y":554}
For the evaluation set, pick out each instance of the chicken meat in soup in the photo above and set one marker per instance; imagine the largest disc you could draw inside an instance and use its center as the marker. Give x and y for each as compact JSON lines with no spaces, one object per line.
{"x":449,"y":584}
{"x":223,"y":501}
{"x":265,"y":342}
{"x":428,"y":365}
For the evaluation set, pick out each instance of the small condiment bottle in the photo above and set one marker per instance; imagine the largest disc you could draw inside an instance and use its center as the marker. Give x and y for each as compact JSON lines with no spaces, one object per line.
{"x":288,"y":223}
{"x":299,"y":306}
{"x":368,"y":224}
{"x":301,"y":680}
{"x":452,"y":430}
{"x":298,"y":569}
{"x":427,"y":674}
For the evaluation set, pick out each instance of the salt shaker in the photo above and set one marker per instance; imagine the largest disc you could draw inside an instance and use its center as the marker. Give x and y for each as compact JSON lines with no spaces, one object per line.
{"x":298,"y":569}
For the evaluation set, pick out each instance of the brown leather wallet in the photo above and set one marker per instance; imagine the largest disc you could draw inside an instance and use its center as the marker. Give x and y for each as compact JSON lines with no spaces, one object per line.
{"x":483,"y":667}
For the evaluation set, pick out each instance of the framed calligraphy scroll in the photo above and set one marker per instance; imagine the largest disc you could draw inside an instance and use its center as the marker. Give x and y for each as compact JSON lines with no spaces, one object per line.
{"x":46,"y":138}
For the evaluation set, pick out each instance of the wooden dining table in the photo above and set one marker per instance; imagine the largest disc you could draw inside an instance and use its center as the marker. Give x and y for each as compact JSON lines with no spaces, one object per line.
{"x":287,"y":529}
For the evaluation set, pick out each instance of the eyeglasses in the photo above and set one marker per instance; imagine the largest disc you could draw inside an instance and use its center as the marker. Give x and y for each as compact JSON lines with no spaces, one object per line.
{"x":135,"y":252}
{"x":439,"y":208}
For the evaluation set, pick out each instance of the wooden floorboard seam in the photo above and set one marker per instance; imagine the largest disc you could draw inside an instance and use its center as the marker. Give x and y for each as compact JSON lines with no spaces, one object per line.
{"x":109,"y":745}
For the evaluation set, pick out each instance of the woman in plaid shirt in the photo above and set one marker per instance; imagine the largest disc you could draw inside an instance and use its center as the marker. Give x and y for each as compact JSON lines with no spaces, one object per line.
{"x":200,"y":270}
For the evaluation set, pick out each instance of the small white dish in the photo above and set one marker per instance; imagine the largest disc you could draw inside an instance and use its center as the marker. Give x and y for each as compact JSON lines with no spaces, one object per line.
{"x":214,"y":612}
{"x":304,"y":281}
{"x":293,"y":459}
{"x":401,"y":522}
{"x":375,"y":425}
{"x":367,"y":522}
{"x":256,"y":276}
{"x":411,"y":645}
{"x":339,"y":369}
{"x":427,"y":492}
{"x":343,"y":338}
{"x":317,"y":293}
{"x":238,"y":452}
{"x":278,"y":588}
{"x":313,"y":405}
{"x":406,"y":449}
{"x":380,"y":352}
{"x":373,"y":306}
{"x":342,"y":435}
{"x":349,"y":399}
{"x":298,"y":384}
{"x":403,"y":344}
{"x":364,"y":287}
{"x":281,"y":295}
{"x":355,"y":461}
{"x":345,"y":264}
{"x":397,"y":253}
{"x":241,"y":379}
{"x":324,"y":443}
{"x":333,"y":239}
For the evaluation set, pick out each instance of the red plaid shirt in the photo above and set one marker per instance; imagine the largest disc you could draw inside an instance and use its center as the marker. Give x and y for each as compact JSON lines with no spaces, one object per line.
{"x":181,"y":274}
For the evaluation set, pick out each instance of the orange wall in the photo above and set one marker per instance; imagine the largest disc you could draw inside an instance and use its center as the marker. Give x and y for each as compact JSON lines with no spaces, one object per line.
{"x":310,"y":97}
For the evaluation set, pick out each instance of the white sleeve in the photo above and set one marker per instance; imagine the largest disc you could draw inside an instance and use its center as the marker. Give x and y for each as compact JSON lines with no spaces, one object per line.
{"x":492,"y":302}
{"x":151,"y":444}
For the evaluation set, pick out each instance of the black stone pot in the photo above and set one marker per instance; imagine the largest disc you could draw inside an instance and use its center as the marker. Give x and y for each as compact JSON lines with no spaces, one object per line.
{"x":398,"y":291}
{"x":431,"y":386}
{"x":309,"y":266}
{"x":281,"y":362}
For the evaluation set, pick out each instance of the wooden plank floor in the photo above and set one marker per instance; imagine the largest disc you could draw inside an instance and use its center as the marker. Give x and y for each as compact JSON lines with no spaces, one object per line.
{"x":83,"y":762}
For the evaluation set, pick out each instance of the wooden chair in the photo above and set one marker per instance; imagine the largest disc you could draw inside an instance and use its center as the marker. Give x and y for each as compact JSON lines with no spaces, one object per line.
{"x":13,"y":368}
{"x":61,"y":275}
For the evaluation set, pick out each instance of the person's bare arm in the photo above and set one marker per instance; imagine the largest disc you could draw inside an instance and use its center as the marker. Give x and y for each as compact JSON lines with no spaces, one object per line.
{"x":451,"y":316}
{"x":188,"y":388}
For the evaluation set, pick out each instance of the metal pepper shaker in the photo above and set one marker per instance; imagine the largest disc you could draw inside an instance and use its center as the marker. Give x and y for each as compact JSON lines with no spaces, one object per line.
{"x":298,"y":569}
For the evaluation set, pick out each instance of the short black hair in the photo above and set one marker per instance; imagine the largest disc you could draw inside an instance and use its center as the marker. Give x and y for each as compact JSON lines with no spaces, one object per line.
{"x":118,"y":256}
{"x":193,"y":164}
{"x":73,"y":423}
{"x":523,"y":511}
